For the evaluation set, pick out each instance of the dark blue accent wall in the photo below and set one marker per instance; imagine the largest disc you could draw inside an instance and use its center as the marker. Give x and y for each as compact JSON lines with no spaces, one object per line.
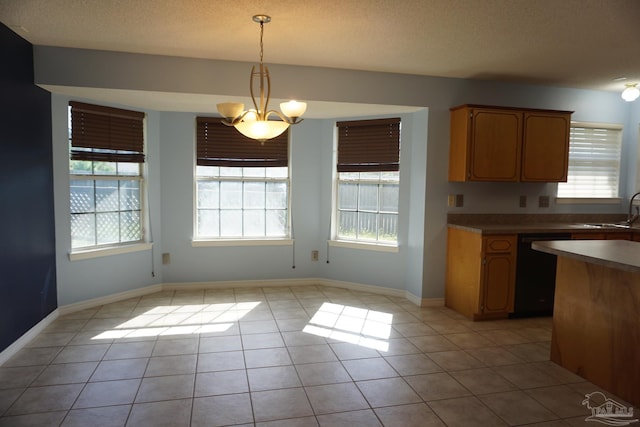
{"x":27,"y":233}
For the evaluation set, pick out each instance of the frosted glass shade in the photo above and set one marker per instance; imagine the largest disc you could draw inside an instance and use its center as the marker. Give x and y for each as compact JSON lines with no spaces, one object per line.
{"x":251,"y":116}
{"x":261,"y":129}
{"x":631,"y":93}
{"x":230,"y":109}
{"x":293,"y":108}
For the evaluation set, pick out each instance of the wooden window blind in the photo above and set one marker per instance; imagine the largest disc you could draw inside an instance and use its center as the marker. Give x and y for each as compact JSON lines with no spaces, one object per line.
{"x":369,"y":145}
{"x":221,"y":145}
{"x":106,"y":134}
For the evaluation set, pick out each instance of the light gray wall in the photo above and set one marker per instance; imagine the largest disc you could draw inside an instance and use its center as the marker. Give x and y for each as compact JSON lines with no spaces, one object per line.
{"x":92,"y":278}
{"x":223,"y":263}
{"x":415,"y":155}
{"x":311,"y":149}
{"x":418,"y":267}
{"x":373,"y":267}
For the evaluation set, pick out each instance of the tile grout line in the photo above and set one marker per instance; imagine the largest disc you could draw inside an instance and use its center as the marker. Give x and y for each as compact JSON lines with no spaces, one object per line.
{"x":246,"y":373}
{"x":347,"y":298}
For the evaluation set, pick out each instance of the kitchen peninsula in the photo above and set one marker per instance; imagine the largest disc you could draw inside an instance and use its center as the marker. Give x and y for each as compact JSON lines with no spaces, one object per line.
{"x":596,"y":317}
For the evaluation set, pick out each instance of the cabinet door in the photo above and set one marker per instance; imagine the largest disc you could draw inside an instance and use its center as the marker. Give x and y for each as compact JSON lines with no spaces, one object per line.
{"x":617,"y":236}
{"x":545,"y":146}
{"x":464,"y":270}
{"x":498,"y":283}
{"x":496,"y":137}
{"x":459,"y":144}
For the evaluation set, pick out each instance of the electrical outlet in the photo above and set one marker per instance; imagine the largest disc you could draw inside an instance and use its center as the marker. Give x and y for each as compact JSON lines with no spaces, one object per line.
{"x":315,"y":255}
{"x":166,"y":258}
{"x":543,"y":201}
{"x":459,"y":200}
{"x":523,"y":201}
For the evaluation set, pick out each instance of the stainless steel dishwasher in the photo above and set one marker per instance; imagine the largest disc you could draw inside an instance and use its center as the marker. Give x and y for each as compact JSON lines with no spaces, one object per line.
{"x":535,"y":276}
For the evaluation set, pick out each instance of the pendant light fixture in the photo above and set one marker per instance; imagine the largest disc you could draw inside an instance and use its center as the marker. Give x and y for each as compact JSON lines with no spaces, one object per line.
{"x":254,"y":123}
{"x":631,"y":92}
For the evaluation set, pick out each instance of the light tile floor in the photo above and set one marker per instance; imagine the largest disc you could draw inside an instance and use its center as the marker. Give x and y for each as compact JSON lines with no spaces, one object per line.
{"x":287,"y":356}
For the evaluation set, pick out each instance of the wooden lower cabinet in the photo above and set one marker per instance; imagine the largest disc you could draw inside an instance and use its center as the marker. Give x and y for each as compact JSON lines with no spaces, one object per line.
{"x":603,"y":236}
{"x":498,"y":284}
{"x":587,"y":236}
{"x":617,"y":236}
{"x":480,"y":276}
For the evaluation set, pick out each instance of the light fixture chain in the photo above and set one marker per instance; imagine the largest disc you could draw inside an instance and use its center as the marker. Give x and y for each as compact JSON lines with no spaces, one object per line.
{"x":261,"y":44}
{"x":255,"y":123}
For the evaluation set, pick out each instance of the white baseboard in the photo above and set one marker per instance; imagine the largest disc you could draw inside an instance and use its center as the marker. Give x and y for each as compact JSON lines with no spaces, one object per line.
{"x":311,"y":281}
{"x":96,"y":302}
{"x":269,"y":283}
{"x":18,"y":344}
{"x":412,"y":298}
{"x":432,"y":302}
{"x":424,"y":302}
{"x":108,"y":299}
{"x":285,"y":283}
{"x":364,"y":288}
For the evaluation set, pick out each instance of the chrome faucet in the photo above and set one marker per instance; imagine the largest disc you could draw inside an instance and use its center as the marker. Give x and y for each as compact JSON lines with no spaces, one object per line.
{"x":631,"y":217}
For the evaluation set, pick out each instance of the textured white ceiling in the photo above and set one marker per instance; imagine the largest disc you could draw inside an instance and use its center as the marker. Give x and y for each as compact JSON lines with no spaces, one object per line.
{"x":569,"y":43}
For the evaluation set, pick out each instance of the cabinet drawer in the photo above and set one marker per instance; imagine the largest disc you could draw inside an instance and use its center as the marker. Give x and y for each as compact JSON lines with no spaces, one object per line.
{"x":499,"y":244}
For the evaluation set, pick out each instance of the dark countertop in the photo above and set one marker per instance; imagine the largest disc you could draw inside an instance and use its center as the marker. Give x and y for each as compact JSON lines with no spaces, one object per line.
{"x":618,"y":254}
{"x":550,"y":227}
{"x":539,"y":223}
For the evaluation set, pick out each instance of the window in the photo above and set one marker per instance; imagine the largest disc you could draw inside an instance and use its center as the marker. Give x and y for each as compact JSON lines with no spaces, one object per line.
{"x":368,"y":181}
{"x":594,"y":161}
{"x":242,"y":185}
{"x":106,"y":148}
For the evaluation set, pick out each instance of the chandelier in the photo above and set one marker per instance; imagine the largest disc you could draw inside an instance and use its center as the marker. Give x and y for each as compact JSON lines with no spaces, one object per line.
{"x":631,"y":92}
{"x":254,"y":123}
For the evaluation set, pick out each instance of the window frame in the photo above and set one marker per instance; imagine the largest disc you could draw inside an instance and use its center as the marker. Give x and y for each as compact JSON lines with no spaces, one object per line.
{"x":119,"y":247}
{"x":577,"y":199}
{"x":337,"y":211}
{"x":237,"y":138}
{"x":359,"y":243}
{"x":199,"y":240}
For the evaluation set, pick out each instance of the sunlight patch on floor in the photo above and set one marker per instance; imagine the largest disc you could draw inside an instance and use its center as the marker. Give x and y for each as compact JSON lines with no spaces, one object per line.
{"x":359,"y":326}
{"x":181,"y":320}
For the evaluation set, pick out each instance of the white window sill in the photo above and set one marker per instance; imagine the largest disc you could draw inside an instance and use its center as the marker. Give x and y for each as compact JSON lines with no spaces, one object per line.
{"x":588,"y":200}
{"x":364,"y":245}
{"x":241,"y":242}
{"x":81,"y":254}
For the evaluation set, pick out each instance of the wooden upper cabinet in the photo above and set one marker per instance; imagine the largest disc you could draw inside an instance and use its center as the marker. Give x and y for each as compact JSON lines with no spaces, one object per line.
{"x":495,"y":145}
{"x":545,"y":146}
{"x":508,"y":144}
